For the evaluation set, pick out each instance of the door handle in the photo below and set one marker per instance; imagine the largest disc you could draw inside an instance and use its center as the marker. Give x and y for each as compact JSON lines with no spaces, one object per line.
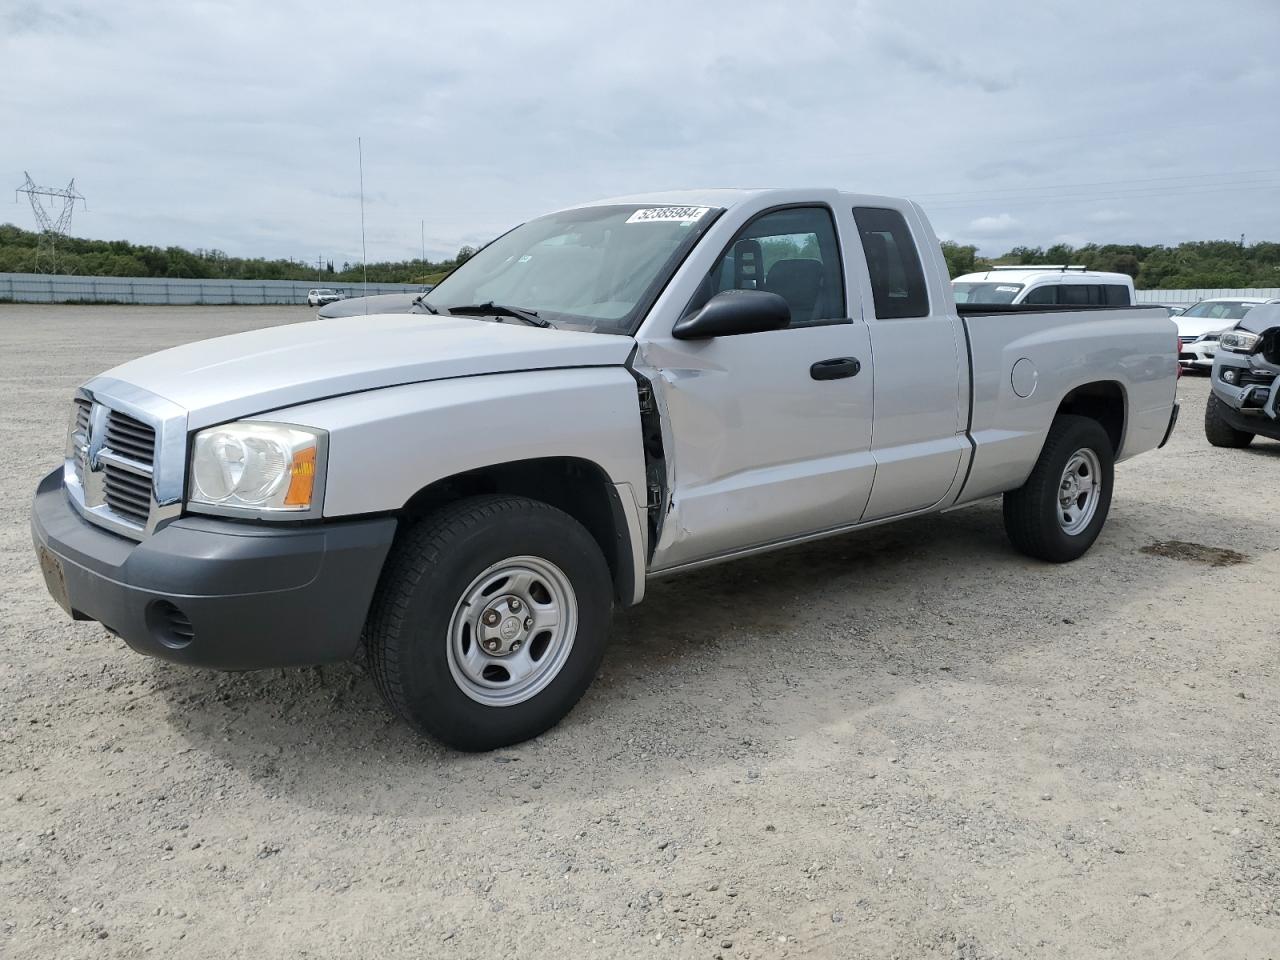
{"x":837,"y":368}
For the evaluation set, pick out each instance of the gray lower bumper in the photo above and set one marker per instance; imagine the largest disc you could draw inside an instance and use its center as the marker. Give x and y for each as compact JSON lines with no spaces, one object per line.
{"x":215,"y":593}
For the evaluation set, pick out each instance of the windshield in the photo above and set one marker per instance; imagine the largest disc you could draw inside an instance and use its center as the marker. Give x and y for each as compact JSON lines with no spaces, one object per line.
{"x":986,"y":292}
{"x":591,"y":268}
{"x":1220,"y":309}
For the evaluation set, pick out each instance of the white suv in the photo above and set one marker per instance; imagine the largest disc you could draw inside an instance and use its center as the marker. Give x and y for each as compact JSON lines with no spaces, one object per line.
{"x":318,"y":298}
{"x":1045,"y":286}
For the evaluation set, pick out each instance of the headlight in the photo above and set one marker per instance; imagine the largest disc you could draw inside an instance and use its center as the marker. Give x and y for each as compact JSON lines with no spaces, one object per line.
{"x":1239,"y":342}
{"x":265,"y":469}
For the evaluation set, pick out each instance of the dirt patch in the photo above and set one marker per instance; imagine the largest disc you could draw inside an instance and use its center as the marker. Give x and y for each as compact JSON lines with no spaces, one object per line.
{"x":910,"y":742}
{"x":1196,"y":553}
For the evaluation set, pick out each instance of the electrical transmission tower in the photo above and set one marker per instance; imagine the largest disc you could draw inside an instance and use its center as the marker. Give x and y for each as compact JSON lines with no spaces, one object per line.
{"x":53,"y":223}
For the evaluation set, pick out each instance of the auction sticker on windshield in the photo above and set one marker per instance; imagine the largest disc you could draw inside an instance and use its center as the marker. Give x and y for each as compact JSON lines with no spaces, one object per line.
{"x":668,"y":215}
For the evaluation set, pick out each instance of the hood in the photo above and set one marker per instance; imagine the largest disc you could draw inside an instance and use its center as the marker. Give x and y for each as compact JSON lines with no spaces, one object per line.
{"x":1261,"y":318}
{"x":1199,"y":326}
{"x":251,"y":373}
{"x":364,"y":306}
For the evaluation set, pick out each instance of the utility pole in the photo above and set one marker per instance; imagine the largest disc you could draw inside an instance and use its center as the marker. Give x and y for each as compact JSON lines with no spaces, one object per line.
{"x":422,"y":229}
{"x":364,"y":252}
{"x":319,"y":262}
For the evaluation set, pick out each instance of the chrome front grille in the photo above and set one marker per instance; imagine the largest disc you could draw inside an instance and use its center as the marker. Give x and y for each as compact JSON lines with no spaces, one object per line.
{"x":127,"y":494}
{"x":124,"y":468}
{"x":131,"y":438}
{"x":80,"y":433}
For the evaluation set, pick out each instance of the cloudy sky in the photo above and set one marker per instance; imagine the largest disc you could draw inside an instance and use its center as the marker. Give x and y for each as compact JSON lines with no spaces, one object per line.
{"x":233,"y":124}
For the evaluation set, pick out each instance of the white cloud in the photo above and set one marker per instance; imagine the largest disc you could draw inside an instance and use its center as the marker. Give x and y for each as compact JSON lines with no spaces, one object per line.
{"x":998,"y":225}
{"x":1109,"y":216}
{"x":232,"y":124}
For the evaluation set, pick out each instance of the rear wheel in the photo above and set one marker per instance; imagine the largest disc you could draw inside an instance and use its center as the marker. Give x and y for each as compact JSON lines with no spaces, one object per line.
{"x":1216,"y":429}
{"x":1058,"y":513}
{"x":490,"y":621}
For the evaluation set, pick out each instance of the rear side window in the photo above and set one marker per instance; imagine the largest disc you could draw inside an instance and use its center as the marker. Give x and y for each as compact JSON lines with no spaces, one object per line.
{"x":897,"y":279}
{"x":1047,"y":294}
{"x":1080,"y":294}
{"x":1116,"y":295}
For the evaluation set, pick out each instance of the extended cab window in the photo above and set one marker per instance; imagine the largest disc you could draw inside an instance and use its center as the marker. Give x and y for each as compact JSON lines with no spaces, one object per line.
{"x":897,"y":279}
{"x":792,"y":253}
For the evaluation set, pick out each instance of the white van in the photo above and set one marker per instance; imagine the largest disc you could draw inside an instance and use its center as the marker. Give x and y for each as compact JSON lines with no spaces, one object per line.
{"x":1076,"y":286}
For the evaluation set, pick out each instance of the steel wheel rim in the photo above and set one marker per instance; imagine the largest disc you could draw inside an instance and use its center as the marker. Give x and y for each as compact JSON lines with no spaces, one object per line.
{"x":1079,"y":491}
{"x":512,"y":631}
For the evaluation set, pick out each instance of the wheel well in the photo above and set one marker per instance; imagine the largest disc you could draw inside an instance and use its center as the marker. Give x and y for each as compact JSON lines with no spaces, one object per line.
{"x":578,"y":487}
{"x":1102,"y":401}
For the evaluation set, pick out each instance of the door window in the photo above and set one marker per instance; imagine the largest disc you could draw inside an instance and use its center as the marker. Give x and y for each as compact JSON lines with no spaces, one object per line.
{"x":897,"y":279}
{"x":791,"y":252}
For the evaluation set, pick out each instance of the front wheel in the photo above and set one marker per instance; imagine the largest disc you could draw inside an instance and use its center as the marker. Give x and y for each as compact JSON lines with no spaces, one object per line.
{"x":1218,"y":432}
{"x":1058,"y":513}
{"x":490,"y":621}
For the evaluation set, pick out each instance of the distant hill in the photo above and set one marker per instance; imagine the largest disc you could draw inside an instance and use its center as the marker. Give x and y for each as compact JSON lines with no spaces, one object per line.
{"x":1204,"y":263}
{"x":120,"y":258}
{"x":1200,"y":263}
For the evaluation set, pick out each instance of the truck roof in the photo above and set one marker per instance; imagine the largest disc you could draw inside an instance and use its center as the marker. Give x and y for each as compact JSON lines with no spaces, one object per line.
{"x":728,"y":197}
{"x":1047,"y":274}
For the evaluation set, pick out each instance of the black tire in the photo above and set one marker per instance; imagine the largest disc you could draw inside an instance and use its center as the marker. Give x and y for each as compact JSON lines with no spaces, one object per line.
{"x":430,"y":568}
{"x":1218,"y":432}
{"x":1031,"y":513}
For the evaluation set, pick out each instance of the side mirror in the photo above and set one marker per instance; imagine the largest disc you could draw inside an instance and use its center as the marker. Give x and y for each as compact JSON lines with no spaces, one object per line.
{"x":732,"y":312}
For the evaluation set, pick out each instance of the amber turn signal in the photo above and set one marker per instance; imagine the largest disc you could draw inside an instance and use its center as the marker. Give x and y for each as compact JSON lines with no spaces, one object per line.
{"x":302,"y":478}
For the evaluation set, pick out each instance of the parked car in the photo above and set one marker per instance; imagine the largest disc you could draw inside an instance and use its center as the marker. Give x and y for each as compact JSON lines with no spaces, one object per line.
{"x":408,"y":302}
{"x":322,"y":296}
{"x":1200,"y":325}
{"x":1246,"y":381}
{"x":624,"y":390}
{"x":1045,"y":286}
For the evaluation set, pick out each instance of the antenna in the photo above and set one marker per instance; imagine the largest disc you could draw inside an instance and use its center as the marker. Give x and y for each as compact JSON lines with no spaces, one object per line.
{"x":422,"y":229}
{"x":51,"y":228}
{"x":364,"y":254}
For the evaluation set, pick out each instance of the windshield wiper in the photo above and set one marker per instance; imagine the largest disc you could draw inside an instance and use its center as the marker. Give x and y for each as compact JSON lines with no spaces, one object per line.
{"x":420,"y":301}
{"x":491,"y":309}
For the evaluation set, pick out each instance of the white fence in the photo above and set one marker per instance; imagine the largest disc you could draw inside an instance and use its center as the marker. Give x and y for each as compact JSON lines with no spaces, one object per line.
{"x":1175,"y":297}
{"x":41,"y":288}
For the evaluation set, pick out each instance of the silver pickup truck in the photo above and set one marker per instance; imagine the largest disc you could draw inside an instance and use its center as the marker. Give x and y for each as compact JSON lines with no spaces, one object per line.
{"x":606,"y":394}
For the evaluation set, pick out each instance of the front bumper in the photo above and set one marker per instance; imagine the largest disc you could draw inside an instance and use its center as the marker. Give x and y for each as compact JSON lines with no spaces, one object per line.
{"x":215,"y":593}
{"x":1252,"y":403}
{"x":1197,"y":355}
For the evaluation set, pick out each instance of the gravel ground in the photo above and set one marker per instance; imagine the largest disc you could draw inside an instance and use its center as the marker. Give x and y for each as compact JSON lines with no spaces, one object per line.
{"x":907,"y":743}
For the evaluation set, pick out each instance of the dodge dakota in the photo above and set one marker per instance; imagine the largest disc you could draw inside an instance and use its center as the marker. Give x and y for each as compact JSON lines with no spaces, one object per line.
{"x":603,"y":395}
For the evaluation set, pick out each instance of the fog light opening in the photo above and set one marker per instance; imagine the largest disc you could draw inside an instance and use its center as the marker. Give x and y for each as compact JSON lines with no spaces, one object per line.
{"x":169,"y":625}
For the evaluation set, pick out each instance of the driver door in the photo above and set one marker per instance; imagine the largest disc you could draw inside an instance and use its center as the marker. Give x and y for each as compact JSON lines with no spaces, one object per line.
{"x":768,"y":445}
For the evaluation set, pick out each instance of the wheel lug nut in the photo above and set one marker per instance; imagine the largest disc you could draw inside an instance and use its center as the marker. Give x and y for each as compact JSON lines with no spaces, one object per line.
{"x":515,"y":605}
{"x":491,"y":645}
{"x":515,"y":645}
{"x":491,"y":618}
{"x":528,"y":623}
